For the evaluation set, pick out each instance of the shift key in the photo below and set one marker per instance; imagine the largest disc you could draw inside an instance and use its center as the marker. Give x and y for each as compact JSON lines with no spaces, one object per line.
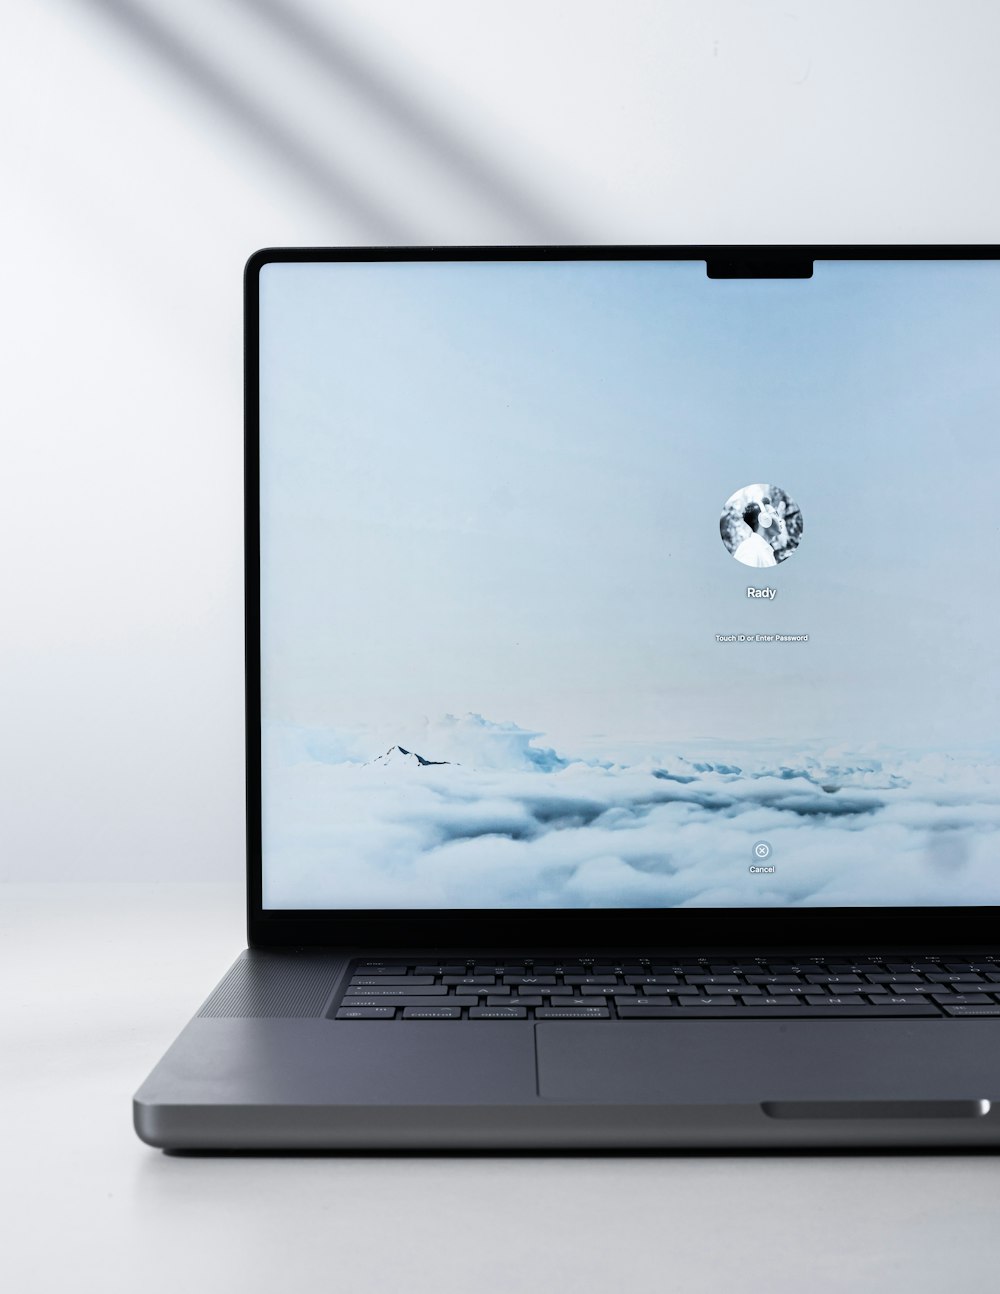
{"x":413,"y":1000}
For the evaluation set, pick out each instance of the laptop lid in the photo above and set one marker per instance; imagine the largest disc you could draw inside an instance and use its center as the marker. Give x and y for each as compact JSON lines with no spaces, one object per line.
{"x":603,"y":595}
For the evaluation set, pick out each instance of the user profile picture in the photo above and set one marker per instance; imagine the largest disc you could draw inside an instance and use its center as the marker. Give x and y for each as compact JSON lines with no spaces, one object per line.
{"x":761,"y":525}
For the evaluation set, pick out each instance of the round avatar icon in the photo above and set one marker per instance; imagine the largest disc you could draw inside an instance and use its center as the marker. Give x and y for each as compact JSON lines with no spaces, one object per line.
{"x":761,"y":525}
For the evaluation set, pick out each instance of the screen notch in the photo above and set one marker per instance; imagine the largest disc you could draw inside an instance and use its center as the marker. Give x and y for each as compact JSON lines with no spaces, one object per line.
{"x":759,"y":265}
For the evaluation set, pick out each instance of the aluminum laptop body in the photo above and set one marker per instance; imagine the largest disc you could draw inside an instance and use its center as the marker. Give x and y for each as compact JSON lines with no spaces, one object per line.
{"x":623,"y":724}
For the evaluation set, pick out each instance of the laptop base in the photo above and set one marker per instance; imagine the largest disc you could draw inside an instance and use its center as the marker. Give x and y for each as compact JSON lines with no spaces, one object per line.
{"x":253,"y":1073}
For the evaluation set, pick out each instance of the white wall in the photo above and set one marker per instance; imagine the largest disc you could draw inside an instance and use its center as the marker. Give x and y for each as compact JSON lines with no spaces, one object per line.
{"x":150,"y":145}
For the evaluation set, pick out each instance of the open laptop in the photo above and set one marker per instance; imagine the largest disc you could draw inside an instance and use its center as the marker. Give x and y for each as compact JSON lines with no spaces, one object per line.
{"x":622,"y":699}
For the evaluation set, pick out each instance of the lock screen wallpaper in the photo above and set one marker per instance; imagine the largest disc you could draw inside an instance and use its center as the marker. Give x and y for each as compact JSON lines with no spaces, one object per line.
{"x":606,"y":584}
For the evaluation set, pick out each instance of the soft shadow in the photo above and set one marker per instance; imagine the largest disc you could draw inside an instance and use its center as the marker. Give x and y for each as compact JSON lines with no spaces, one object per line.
{"x":419,"y":127}
{"x":426,"y":129}
{"x":225,"y":94}
{"x":784,"y":1152}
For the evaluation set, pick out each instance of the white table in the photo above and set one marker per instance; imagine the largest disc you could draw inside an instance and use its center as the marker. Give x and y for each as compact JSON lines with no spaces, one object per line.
{"x":97,"y":979}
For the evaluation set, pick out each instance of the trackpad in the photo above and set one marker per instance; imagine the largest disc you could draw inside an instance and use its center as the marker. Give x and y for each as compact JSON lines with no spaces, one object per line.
{"x":709,"y":1061}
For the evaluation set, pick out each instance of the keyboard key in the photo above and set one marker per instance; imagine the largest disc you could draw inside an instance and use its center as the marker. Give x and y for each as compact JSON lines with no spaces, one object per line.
{"x":391,"y":981}
{"x":651,"y":979}
{"x":398,"y":990}
{"x":658,"y":1011}
{"x":497,"y":1013}
{"x":884,"y":977}
{"x":604,"y":990}
{"x":828,"y":978}
{"x":951,"y":977}
{"x":962,"y":999}
{"x":971,"y":1010}
{"x":519,"y":1000}
{"x":843,"y":990}
{"x":711,"y":979}
{"x":412,"y":1000}
{"x":783,"y":1000}
{"x":730,"y":990}
{"x":433,"y":1013}
{"x":572,"y":1013}
{"x":441,"y":970}
{"x":676,"y":990}
{"x":832,"y":999}
{"x":589,"y":979}
{"x":528,"y":981}
{"x":646,"y":1004}
{"x":366,"y":1013}
{"x":733,"y":1012}
{"x":773,"y":979}
{"x":704,"y":1000}
{"x":469,"y":980}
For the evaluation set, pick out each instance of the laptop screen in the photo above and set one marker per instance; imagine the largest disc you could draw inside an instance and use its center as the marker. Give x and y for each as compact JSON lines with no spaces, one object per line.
{"x":608,"y":584}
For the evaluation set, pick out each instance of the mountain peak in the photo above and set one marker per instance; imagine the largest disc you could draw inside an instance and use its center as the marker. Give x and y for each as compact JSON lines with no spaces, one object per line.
{"x":400,"y":757}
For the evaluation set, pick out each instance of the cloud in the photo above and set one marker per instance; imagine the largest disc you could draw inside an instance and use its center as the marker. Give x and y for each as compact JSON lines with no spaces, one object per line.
{"x":469,"y":740}
{"x":483,"y":744}
{"x":509,"y":823}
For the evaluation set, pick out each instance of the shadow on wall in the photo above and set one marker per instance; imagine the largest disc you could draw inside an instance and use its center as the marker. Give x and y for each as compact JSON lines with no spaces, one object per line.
{"x":430,"y":142}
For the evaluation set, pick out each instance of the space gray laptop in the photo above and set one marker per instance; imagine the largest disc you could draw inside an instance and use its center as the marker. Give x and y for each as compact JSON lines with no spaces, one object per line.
{"x":623,"y":711}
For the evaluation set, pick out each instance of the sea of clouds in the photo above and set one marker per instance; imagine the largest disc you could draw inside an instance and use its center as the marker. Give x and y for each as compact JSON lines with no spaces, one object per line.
{"x":510,"y":822}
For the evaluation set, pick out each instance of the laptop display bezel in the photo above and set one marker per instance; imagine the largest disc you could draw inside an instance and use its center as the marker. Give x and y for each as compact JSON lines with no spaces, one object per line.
{"x":871,"y":928}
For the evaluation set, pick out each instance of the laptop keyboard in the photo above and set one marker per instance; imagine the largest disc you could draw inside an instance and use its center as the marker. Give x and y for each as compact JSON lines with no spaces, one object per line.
{"x":661,"y":988}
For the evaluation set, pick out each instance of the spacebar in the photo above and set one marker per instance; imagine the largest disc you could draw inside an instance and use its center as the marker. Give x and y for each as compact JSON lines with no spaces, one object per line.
{"x":769,"y":1013}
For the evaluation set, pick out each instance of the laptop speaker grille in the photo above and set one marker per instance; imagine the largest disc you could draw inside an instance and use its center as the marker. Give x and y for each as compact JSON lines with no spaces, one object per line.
{"x":261,"y":985}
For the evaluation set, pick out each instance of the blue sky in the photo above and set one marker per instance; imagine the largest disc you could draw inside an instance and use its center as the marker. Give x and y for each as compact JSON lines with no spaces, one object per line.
{"x":496,"y":488}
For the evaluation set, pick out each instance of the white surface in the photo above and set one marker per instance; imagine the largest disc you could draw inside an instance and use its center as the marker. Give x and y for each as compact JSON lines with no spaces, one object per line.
{"x":99,"y":978}
{"x":133,"y":193}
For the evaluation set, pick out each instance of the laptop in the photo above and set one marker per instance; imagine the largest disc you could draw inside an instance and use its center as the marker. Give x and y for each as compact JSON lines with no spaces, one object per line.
{"x":622,"y":705}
